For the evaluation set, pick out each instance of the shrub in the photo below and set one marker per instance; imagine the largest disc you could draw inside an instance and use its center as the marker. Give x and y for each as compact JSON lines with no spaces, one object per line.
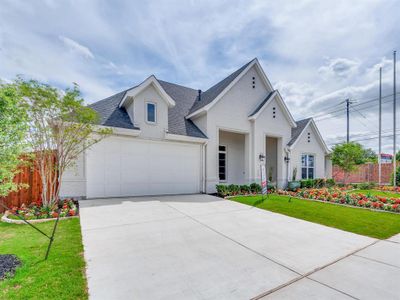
{"x":397,"y":177}
{"x":319,"y":182}
{"x":365,"y":185}
{"x":222,"y":190}
{"x":255,"y":188}
{"x":330,"y":182}
{"x":233,"y":189}
{"x":271,"y":188}
{"x":306,"y":183}
{"x":245,"y":189}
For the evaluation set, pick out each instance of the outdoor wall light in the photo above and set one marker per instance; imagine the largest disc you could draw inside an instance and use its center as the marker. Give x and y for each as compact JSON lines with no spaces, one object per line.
{"x":261,"y":157}
{"x":287,"y":159}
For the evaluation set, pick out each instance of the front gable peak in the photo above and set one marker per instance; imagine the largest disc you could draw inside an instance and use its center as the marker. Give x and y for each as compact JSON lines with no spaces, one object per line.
{"x":264,"y":104}
{"x":210,"y":97}
{"x":152,"y":80}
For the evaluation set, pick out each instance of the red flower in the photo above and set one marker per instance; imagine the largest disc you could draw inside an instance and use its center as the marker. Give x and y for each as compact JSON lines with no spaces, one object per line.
{"x":71,"y":212}
{"x":361,"y":202}
{"x":54,"y":214}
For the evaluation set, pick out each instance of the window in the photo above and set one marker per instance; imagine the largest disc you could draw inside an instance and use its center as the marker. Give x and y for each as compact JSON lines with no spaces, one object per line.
{"x":307,"y":166}
{"x":222,"y":163}
{"x":151,"y":112}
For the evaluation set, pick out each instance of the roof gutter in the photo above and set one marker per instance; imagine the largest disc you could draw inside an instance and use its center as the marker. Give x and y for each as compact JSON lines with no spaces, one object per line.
{"x":184,"y":138}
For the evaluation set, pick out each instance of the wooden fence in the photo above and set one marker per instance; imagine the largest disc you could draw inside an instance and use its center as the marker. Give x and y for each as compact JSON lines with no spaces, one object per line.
{"x":28,"y":175}
{"x":364,"y":173}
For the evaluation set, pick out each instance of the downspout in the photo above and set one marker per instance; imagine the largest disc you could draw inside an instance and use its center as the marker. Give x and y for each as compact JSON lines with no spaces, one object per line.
{"x":204,"y":188}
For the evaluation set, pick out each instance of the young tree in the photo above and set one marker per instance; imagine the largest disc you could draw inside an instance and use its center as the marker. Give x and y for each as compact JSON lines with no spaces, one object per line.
{"x":398,"y":156}
{"x":60,"y":129}
{"x":370,"y":156}
{"x":347,"y":156}
{"x":13,"y":127}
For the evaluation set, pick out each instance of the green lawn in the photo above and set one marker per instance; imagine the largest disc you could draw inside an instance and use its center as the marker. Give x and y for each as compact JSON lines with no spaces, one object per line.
{"x":62,"y":276}
{"x":377,"y":193}
{"x":379,"y":225}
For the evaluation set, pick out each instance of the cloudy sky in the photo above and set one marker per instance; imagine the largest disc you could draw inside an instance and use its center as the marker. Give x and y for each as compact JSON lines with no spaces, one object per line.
{"x":317,"y":53}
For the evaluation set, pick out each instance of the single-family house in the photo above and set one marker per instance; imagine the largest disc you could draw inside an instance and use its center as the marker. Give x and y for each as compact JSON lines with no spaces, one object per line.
{"x":172,"y":139}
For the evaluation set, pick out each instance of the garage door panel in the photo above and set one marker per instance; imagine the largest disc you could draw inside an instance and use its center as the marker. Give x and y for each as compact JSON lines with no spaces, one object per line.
{"x":123,"y":166}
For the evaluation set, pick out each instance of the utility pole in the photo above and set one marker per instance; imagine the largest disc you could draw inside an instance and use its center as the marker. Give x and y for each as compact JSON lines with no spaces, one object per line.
{"x":394,"y":118}
{"x":380,"y":128}
{"x":348,"y":119}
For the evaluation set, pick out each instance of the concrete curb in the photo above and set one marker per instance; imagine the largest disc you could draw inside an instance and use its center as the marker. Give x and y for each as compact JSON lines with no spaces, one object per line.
{"x":5,"y":219}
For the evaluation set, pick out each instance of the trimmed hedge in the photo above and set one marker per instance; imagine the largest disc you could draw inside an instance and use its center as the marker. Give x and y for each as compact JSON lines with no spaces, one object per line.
{"x":317,"y":183}
{"x":224,"y":190}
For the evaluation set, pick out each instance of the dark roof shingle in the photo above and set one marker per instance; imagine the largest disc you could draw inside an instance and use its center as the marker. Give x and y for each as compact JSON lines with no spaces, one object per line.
{"x":298,"y":130}
{"x":111,"y":114}
{"x":186,"y":100}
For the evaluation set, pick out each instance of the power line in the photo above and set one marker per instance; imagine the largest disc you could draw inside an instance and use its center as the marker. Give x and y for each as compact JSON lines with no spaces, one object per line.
{"x":330,"y":116}
{"x":365,"y":139}
{"x":324,"y":113}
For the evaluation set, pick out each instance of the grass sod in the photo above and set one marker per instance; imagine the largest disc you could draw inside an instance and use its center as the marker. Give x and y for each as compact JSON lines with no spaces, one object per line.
{"x":379,"y":225}
{"x":62,"y":276}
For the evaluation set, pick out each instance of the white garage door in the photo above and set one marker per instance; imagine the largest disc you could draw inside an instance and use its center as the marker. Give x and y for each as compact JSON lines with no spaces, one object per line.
{"x":126,"y":166}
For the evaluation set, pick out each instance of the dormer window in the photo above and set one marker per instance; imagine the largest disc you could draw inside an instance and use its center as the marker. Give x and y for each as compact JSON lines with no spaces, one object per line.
{"x":151,"y":112}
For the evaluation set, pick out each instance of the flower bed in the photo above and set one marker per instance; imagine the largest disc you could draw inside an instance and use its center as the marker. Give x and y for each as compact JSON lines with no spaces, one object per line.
{"x":355,"y":199}
{"x":389,"y":188}
{"x":35,"y":211}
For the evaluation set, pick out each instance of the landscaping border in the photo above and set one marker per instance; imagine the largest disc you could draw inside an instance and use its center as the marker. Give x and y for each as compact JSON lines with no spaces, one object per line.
{"x":5,"y":219}
{"x":316,"y":200}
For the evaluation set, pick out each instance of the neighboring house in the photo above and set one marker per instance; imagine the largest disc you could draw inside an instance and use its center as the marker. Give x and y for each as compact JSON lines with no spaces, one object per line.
{"x":171,"y":139}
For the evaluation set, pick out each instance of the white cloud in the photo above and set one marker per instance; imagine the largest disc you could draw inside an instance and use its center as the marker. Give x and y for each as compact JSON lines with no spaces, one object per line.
{"x":339,"y":68}
{"x":76,"y":47}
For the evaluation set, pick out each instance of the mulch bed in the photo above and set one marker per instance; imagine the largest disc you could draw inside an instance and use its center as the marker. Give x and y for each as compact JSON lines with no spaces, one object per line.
{"x":8,"y":264}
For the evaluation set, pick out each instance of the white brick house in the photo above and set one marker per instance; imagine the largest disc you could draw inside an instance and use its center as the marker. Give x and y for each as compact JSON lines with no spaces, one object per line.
{"x":170,"y":139}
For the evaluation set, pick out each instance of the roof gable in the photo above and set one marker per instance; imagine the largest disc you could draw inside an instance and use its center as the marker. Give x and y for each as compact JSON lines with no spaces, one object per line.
{"x":298,"y":131}
{"x":152,"y":80}
{"x":216,"y":92}
{"x":111,"y":114}
{"x":261,"y":107}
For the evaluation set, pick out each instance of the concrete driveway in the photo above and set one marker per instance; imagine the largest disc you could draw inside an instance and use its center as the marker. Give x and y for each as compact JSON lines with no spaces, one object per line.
{"x":203,"y":247}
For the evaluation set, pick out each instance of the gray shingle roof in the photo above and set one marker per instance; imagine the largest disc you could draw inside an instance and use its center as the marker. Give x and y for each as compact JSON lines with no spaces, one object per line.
{"x":110,"y":114}
{"x":298,"y":130}
{"x":213,"y":92}
{"x":184,"y":98}
{"x":262,"y":103}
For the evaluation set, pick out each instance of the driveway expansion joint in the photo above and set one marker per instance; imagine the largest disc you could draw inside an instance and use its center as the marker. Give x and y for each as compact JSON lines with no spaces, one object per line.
{"x":314,"y":271}
{"x":377,"y":261}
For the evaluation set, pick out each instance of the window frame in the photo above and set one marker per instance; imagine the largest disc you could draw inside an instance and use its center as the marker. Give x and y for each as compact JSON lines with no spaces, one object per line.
{"x":226,"y":162}
{"x":307,"y":167}
{"x":147,"y":112}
